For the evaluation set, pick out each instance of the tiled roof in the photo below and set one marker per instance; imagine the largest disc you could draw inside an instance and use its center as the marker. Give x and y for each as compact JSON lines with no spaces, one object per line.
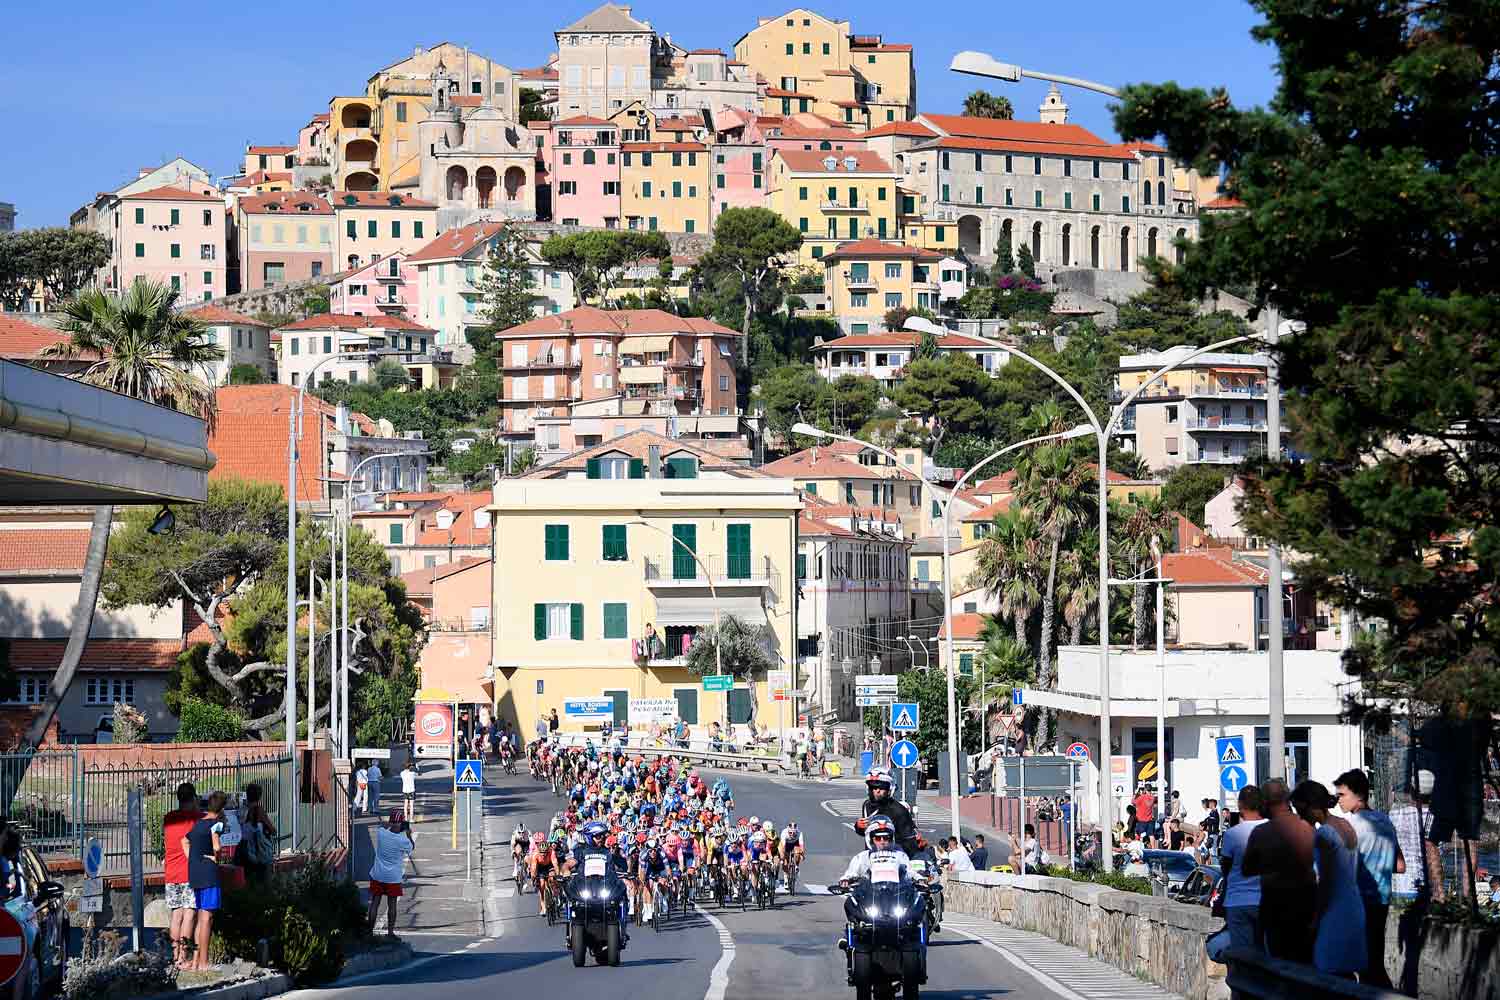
{"x":883,"y":514}
{"x":171,"y":194}
{"x":109,"y":654}
{"x":606,"y":17}
{"x":1016,"y":131}
{"x":249,"y":437}
{"x":463,"y":531}
{"x":375,"y":199}
{"x":892,"y":339}
{"x":1035,"y":148}
{"x":791,"y":129}
{"x":340,"y":321}
{"x":779,"y":92}
{"x":856,"y":249}
{"x":966,"y":625}
{"x":1143,"y":147}
{"x":663,"y":147}
{"x":811,"y":161}
{"x":914,"y":129}
{"x":271,"y":150}
{"x":212,"y":315}
{"x":811,"y":525}
{"x":582,"y":120}
{"x":706,"y":52}
{"x":589,"y":319}
{"x":876,"y":45}
{"x":22,"y":340}
{"x":1003,"y":483}
{"x":988,"y":511}
{"x":1221,"y":203}
{"x":820,"y":463}
{"x":637,"y":444}
{"x":539,"y":73}
{"x":43,"y":550}
{"x":456,"y":242}
{"x":679,"y":124}
{"x":263,"y":177}
{"x":419,"y":581}
{"x":1210,"y":568}
{"x":285,"y":202}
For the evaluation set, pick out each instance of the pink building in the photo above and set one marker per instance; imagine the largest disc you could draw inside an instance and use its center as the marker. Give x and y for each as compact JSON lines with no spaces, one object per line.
{"x":541,"y":136}
{"x":387,"y":286}
{"x":649,"y":360}
{"x":739,"y":160}
{"x":585,"y":172}
{"x":172,"y":236}
{"x":283,"y":237}
{"x":312,"y":141}
{"x":810,"y":132}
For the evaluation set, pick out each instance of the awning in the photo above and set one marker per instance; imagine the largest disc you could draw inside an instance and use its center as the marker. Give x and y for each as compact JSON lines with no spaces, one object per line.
{"x":642,"y":375}
{"x":644,"y":345}
{"x":674,"y":610}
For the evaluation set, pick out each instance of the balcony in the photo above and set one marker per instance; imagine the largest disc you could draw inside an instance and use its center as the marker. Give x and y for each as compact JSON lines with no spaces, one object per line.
{"x":856,"y":283}
{"x":696,"y":361}
{"x":844,"y":206}
{"x":1230,"y":424}
{"x":387,"y":278}
{"x":1215,"y":390}
{"x":723,"y":572}
{"x":1296,"y":633}
{"x":552,"y":361}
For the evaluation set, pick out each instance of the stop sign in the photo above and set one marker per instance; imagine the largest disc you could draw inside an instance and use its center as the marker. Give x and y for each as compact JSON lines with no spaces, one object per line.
{"x":12,"y":945}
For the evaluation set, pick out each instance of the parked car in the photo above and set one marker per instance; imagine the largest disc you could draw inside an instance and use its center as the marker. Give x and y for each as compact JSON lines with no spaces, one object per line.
{"x":1171,"y":867}
{"x":39,"y":907}
{"x":1201,"y":887}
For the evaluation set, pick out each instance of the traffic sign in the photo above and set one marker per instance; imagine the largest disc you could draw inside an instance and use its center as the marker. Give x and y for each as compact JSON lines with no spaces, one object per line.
{"x":1230,"y":750}
{"x":1078,"y":751}
{"x":886,"y":682}
{"x":718,"y":682}
{"x":904,"y":716}
{"x":1015,"y":697}
{"x":1233,"y":778}
{"x":589,"y":709}
{"x":13,"y":944}
{"x":874,"y":700}
{"x":93,"y":858}
{"x":871,"y":690}
{"x":1119,"y":775}
{"x":779,"y":683}
{"x":904,"y":753}
{"x":469,"y":774}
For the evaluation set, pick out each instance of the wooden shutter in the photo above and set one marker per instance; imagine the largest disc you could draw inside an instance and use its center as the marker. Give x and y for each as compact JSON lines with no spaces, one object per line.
{"x":739,"y":551}
{"x":687,"y":705}
{"x":556,"y":536}
{"x":614,"y":543}
{"x":637,"y":468}
{"x":593,"y":468}
{"x":576,"y":616}
{"x":539,"y":622}
{"x":616,"y":620}
{"x":684,"y":566}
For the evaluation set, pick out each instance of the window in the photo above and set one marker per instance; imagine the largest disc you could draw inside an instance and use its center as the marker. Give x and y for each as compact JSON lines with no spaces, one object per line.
{"x":807,"y":48}
{"x":723,"y":383}
{"x":677,"y":189}
{"x":208,"y":217}
{"x":978,"y":195}
{"x":1037,"y":198}
{"x":739,"y":551}
{"x":176,"y":283}
{"x":372,"y":228}
{"x":802,"y":224}
{"x":682,"y":467}
{"x":1171,"y":414}
{"x":557,"y":621}
{"x":893,"y":300}
{"x":848,"y":493}
{"x":859,"y":300}
{"x":789,"y":48}
{"x":416,"y":229}
{"x":1037,"y":165}
{"x":801,"y":565}
{"x":945,"y":159}
{"x":616,"y":620}
{"x":945,"y":193}
{"x":614,"y":541}
{"x":939,"y":233}
{"x":140,"y":249}
{"x":612,"y":187}
{"x":327,"y":345}
{"x":1067,"y":199}
{"x":176,"y":250}
{"x":1096,"y":169}
{"x":208,"y":279}
{"x":978,"y":162}
{"x":1125,"y":171}
{"x":176,"y":217}
{"x":274,"y":273}
{"x":396,"y":534}
{"x":684,"y":549}
{"x":966,"y":663}
{"x":556,"y":542}
{"x":1096,"y":203}
{"x":400,"y":111}
{"x":1125,"y":203}
{"x":645,"y":189}
{"x":651,"y":223}
{"x":588,"y":157}
{"x":395,"y":229}
{"x":33,"y":690}
{"x":1010,"y":196}
{"x":109,"y":691}
{"x":296,"y":345}
{"x":567,"y":187}
{"x":893,"y":270}
{"x":140,"y":216}
{"x":350,"y":229}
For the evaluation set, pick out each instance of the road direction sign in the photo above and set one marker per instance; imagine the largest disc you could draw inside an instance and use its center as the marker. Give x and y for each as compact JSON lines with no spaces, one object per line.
{"x":1119,"y":775}
{"x":1233,"y":778}
{"x":469,"y":774}
{"x":884,"y":681}
{"x":874,"y":700}
{"x":1078,"y":751}
{"x":904,"y":753}
{"x":13,"y":944}
{"x":1230,"y":750}
{"x":904,"y":715}
{"x":93,"y":858}
{"x":718,"y":682}
{"x":871,"y":689}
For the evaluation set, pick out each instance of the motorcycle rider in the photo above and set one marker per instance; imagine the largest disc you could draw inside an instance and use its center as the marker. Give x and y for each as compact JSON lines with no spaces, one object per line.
{"x":593,"y":843}
{"x":882,"y":803}
{"x":880,"y":846}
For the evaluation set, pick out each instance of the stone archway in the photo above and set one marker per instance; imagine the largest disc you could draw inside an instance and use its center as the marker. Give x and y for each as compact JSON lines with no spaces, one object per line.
{"x":484,"y":184}
{"x":1180,"y":247}
{"x":970,"y":235}
{"x":457,"y":183}
{"x":515,"y":183}
{"x":1036,"y":242}
{"x":1151,"y":242}
{"x":361,"y":180}
{"x":1067,"y":245}
{"x":1125,"y":248}
{"x":1094,"y":247}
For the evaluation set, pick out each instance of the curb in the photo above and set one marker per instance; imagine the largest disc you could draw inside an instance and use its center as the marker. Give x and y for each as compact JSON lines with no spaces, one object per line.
{"x":278,"y":983}
{"x":372,"y":961}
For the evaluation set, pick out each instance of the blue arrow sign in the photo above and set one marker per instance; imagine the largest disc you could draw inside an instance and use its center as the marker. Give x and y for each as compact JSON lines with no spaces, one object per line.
{"x":904,"y":753}
{"x":468,"y":774}
{"x":1015,"y":697}
{"x":904,"y":716}
{"x":1233,"y":778}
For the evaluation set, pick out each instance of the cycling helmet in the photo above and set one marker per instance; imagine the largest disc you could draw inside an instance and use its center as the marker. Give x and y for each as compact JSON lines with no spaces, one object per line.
{"x":673,"y":841}
{"x":755,"y":822}
{"x":520,"y":828}
{"x":768,"y":827}
{"x":879,"y":826}
{"x":878,"y":778}
{"x":757,"y":838}
{"x":538,"y":838}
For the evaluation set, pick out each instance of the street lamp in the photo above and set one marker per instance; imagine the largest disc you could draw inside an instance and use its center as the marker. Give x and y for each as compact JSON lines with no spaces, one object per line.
{"x":1103,"y":432}
{"x":953,"y":744}
{"x":986,"y":65}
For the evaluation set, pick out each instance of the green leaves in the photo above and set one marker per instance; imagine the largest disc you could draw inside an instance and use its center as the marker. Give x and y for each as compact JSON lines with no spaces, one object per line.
{"x":506,"y":288}
{"x":983,"y":104}
{"x":64,"y":260}
{"x":596,"y":259}
{"x":744,"y":648}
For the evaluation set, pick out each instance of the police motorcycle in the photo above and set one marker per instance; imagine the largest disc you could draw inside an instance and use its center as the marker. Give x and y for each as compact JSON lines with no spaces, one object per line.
{"x":596,"y":903}
{"x":885,"y":937}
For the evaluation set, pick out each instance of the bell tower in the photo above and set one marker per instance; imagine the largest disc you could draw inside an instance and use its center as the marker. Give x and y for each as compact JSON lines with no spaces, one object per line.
{"x":1054,"y":110}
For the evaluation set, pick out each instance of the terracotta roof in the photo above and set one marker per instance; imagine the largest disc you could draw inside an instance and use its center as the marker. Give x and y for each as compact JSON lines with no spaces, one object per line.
{"x":988,"y":511}
{"x":322,"y":116}
{"x":271,"y":150}
{"x":539,"y":73}
{"x":583,"y":120}
{"x":811,"y":161}
{"x":914,"y":129}
{"x":820,"y":463}
{"x":879,"y":248}
{"x":883,"y":514}
{"x":1143,"y":147}
{"x":285,"y":202}
{"x":249,"y":438}
{"x":171,"y":194}
{"x":1035,"y":148}
{"x":43,"y":550}
{"x":679,"y":124}
{"x":456,"y":242}
{"x":1222,"y":202}
{"x":893,"y":339}
{"x":966,"y":625}
{"x":811,"y":525}
{"x":838,"y":72}
{"x":462,"y":532}
{"x":419,"y":581}
{"x":111,"y":654}
{"x":466,"y":100}
{"x":340,"y":321}
{"x":879,"y":46}
{"x":375,"y":199}
{"x":589,"y":319}
{"x":262,"y":177}
{"x":1017,"y":131}
{"x":778,"y":92}
{"x":848,"y":104}
{"x":416,"y":497}
{"x":636,"y":444}
{"x":663,"y":147}
{"x":1003,"y":483}
{"x":22,"y":340}
{"x":213,"y":315}
{"x":792,"y":129}
{"x":1210,"y":568}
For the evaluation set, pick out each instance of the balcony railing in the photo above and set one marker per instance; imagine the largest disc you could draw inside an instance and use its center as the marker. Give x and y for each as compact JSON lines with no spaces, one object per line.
{"x":1217,"y":390}
{"x":853,"y":281}
{"x":387,"y":278}
{"x":1296,"y":633}
{"x":1221,"y":423}
{"x":746,"y":571}
{"x":547,"y":361}
{"x":457,"y":625}
{"x":843,"y":206}
{"x":696,"y":361}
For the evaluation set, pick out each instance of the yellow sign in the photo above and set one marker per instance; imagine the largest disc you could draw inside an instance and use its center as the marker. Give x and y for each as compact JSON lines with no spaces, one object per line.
{"x":1148,"y":767}
{"x":434,"y":694}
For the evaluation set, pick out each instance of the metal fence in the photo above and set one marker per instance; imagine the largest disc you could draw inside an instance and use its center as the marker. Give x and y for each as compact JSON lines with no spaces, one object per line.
{"x":60,"y":800}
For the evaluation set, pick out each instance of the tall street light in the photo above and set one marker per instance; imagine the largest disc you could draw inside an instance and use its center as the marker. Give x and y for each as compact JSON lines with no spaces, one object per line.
{"x":986,"y":65}
{"x":953,"y":743}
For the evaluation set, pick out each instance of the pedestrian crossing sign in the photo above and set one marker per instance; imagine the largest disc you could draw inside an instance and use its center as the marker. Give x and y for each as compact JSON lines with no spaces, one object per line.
{"x":1231,"y":750}
{"x":468,"y":774}
{"x":904,"y":715}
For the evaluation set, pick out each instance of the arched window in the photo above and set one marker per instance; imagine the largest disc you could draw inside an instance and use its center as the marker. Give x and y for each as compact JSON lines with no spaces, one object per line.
{"x":1125,"y":249}
{"x":1181,"y":245}
{"x":1146,"y":194}
{"x":1094,"y":247}
{"x":1151,"y":242}
{"x":588,"y":156}
{"x":1161,"y":166}
{"x":825,"y":144}
{"x":1161,"y":192}
{"x":1067,"y":245}
{"x":1036,"y":242}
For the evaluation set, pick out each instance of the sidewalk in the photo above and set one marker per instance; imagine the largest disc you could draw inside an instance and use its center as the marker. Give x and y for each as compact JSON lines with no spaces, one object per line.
{"x":437,"y":901}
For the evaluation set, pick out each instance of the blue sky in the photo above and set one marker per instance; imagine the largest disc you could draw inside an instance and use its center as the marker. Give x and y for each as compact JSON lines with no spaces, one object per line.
{"x":93,"y":90}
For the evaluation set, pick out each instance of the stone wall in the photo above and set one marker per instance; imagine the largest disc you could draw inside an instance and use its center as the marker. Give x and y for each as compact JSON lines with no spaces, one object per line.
{"x":1436,"y":961}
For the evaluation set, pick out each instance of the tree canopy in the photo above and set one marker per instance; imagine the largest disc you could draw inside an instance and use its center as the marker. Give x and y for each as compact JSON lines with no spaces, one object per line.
{"x":64,"y":260}
{"x":983,"y":104}
{"x":597,"y":259}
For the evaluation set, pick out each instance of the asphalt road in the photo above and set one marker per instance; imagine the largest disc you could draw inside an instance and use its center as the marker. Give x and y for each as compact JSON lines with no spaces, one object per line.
{"x":789,"y":951}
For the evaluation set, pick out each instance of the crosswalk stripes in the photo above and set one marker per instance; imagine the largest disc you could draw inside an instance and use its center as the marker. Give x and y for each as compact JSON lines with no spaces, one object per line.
{"x":1088,"y":978}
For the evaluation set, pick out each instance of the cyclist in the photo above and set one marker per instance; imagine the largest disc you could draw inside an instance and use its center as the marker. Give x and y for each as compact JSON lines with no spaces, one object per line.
{"x":793,"y":849}
{"x":737,"y":858}
{"x":520,"y":841}
{"x":654,"y":875}
{"x":543,"y":862}
{"x":760,"y":861}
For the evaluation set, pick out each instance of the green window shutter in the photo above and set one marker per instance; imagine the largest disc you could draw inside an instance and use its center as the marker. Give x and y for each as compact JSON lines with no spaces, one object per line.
{"x":349,"y":229}
{"x":687,"y":705}
{"x":614,"y":543}
{"x":539,"y":622}
{"x":140,"y":216}
{"x":615,"y":621}
{"x":372,"y":228}
{"x":739,"y":706}
{"x":739,"y":551}
{"x":848,"y":493}
{"x":593,"y":468}
{"x":416,"y":229}
{"x":576,"y":622}
{"x":637,"y":468}
{"x":937,"y":511}
{"x":802,"y":565}
{"x":396,"y":533}
{"x":682,"y":468}
{"x":176,"y":216}
{"x":966,"y":664}
{"x":684,"y":545}
{"x":556,"y":542}
{"x":812,"y":488}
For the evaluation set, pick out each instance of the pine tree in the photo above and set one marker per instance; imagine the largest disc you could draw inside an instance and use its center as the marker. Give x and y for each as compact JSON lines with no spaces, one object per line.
{"x":1026,"y":262}
{"x":1005,"y":261}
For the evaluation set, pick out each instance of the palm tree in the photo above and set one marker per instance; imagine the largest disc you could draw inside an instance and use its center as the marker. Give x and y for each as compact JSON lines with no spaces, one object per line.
{"x":1078,"y":582}
{"x":1008,"y":566}
{"x":143,"y":348}
{"x":983,"y":104}
{"x":1146,"y":522}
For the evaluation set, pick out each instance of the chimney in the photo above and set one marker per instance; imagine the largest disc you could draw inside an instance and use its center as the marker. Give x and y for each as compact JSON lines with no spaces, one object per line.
{"x":653,"y":462}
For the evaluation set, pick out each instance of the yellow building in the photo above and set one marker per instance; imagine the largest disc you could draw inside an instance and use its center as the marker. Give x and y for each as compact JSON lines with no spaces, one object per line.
{"x":833,"y":197}
{"x":865,"y":279}
{"x":588,"y":571}
{"x":665,"y":186}
{"x":858,"y":79}
{"x":373,"y":225}
{"x":372,"y":137}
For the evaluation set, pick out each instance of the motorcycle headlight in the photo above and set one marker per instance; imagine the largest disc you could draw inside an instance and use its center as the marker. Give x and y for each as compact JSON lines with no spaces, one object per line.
{"x":585,"y":894}
{"x":872,"y":911}
{"x":898,"y":912}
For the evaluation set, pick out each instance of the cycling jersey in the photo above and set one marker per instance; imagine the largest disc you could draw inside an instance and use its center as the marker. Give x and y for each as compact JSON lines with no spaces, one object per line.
{"x":654,"y":864}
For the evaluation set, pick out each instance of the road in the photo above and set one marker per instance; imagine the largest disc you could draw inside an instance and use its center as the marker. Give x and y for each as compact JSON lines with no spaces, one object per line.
{"x":712,"y":955}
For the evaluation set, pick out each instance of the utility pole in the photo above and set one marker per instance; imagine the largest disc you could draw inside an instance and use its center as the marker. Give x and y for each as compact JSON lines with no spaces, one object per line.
{"x":1276,"y":697}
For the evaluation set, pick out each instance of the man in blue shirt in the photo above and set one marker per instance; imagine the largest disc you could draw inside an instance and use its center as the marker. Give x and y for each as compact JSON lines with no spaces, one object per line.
{"x":1241,"y":891}
{"x":1379,"y":858}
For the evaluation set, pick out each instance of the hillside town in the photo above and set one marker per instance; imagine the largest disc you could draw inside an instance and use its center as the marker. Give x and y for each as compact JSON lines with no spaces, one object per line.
{"x":1119,"y":508}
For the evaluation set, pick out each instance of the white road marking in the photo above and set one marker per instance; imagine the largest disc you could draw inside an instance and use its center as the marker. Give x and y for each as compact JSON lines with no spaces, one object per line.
{"x":814,"y":889}
{"x":718,"y":979}
{"x":1041,"y":977}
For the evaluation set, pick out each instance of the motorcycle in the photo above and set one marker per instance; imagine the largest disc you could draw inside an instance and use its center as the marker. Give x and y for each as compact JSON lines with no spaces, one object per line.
{"x":596,"y":914}
{"x":885,"y":938}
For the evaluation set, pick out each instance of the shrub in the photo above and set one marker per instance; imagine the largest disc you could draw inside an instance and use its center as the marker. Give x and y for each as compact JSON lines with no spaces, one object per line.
{"x":310,"y":956}
{"x":203,"y":722}
{"x":306,"y":917}
{"x":128,"y":723}
{"x":1114,"y":880}
{"x":101,"y":972}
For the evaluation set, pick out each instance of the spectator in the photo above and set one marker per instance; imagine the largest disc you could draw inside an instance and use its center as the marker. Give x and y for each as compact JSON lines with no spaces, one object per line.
{"x":1145,"y":811}
{"x":393,"y":846}
{"x":201,"y":847}
{"x":174,"y":827}
{"x":1339,"y":943}
{"x":1412,"y":823}
{"x":1175,"y":807}
{"x":255,"y":823}
{"x":552,"y":722}
{"x":374,"y":774}
{"x":980,"y":856}
{"x":361,"y":791}
{"x":1241,"y":891}
{"x":1176,"y":840}
{"x":1137,"y":853}
{"x":1495,"y":890}
{"x":958,"y":858}
{"x":409,"y":789}
{"x":541,"y":728}
{"x":1280,"y":852}
{"x":1379,"y":859}
{"x":1036,"y":857}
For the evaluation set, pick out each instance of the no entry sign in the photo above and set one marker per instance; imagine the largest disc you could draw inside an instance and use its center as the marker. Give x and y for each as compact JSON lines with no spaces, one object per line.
{"x":12,"y":945}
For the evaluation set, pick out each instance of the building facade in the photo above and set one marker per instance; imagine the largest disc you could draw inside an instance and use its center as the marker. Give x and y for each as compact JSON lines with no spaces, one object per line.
{"x":585,"y":172}
{"x":387,"y":286}
{"x":170,"y":236}
{"x":244,"y":340}
{"x":370,"y":226}
{"x":865,"y":279}
{"x":605,"y":60}
{"x":665,"y":186}
{"x":334,"y":347}
{"x":1210,"y":411}
{"x":283,"y":237}
{"x":832,"y":198}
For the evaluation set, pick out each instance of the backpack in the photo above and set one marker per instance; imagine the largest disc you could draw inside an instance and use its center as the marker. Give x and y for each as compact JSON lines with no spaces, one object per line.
{"x":260,"y":849}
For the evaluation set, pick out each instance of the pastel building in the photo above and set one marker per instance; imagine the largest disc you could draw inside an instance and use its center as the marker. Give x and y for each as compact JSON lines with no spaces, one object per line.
{"x":884,"y":356}
{"x":334,"y":347}
{"x":585,"y":172}
{"x":283,"y":237}
{"x":269,"y":159}
{"x":171,"y":236}
{"x":371,"y":225}
{"x":605,"y":60}
{"x":244,"y":340}
{"x":387,"y":286}
{"x":865,"y":279}
{"x":312,"y":142}
{"x":1210,"y":411}
{"x":833,"y":197}
{"x":665,"y":186}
